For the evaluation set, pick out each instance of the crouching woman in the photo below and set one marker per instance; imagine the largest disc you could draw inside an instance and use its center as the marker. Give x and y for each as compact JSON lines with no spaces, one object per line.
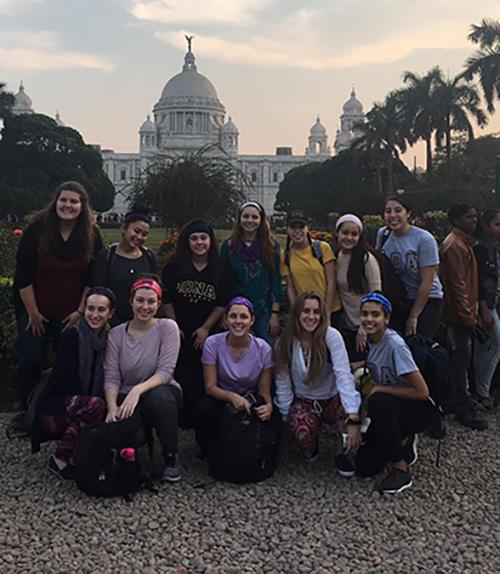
{"x":399,"y":406}
{"x":314,"y":384}
{"x":74,"y":395}
{"x":140,"y":360}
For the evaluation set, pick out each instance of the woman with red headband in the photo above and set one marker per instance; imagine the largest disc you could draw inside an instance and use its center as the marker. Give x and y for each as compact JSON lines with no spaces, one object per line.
{"x":139,"y":371}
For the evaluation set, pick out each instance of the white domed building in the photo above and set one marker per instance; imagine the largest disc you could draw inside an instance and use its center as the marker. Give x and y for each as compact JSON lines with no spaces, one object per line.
{"x":352,"y":115}
{"x":189,"y":116}
{"x":23,"y":104}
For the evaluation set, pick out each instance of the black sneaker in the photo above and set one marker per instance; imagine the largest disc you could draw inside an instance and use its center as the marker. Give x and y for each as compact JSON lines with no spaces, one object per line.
{"x":466,"y":415}
{"x":396,"y":481}
{"x":67,"y":473}
{"x":17,"y":427}
{"x":410,"y":453}
{"x":344,"y":466}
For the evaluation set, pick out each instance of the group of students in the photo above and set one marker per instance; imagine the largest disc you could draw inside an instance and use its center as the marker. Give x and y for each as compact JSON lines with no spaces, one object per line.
{"x":219,"y":340}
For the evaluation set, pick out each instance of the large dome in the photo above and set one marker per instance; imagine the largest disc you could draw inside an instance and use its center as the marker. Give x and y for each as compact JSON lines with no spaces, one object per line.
{"x":22,"y":102}
{"x":353,"y":105}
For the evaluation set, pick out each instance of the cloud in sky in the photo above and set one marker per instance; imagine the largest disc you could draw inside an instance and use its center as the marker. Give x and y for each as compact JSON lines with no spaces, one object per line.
{"x":42,"y":51}
{"x":172,"y":11}
{"x":10,"y":6}
{"x":281,"y":48}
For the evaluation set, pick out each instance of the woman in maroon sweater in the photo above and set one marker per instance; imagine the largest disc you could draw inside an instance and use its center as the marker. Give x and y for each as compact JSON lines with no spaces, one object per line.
{"x":51,"y":281}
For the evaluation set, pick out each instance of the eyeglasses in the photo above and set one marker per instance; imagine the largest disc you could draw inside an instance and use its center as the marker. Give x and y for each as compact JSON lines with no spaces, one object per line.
{"x":296,"y":225}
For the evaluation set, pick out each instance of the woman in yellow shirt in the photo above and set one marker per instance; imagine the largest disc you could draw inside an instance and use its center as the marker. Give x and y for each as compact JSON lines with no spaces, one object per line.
{"x":307,"y":264}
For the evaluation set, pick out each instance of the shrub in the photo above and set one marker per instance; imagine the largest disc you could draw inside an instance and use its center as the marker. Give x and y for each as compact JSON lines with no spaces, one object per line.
{"x":8,"y":249}
{"x":371,"y":224}
{"x":166,"y":247}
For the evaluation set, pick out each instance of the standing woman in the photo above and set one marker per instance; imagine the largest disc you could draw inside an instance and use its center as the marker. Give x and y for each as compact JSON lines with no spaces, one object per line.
{"x":139,"y":371}
{"x":358,"y":273}
{"x":487,"y":352}
{"x":51,"y":280}
{"x":398,"y":406}
{"x":119,"y":265}
{"x":415,"y":257}
{"x":195,"y":298}
{"x":73,"y":397}
{"x":252,"y":254}
{"x":308,"y":265}
{"x":314,"y":383}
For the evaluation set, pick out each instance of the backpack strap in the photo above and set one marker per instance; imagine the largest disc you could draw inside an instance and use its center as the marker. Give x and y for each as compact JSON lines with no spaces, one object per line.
{"x":385,"y":236}
{"x":316,"y":249}
{"x":110,"y":255}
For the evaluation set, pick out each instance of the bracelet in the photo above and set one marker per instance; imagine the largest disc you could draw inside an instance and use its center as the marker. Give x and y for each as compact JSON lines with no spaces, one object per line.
{"x":273,"y":311}
{"x":353,"y":422}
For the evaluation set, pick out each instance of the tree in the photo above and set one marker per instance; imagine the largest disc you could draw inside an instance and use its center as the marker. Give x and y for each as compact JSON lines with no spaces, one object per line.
{"x":6,"y":101}
{"x":456,"y":101}
{"x":484,"y":64}
{"x":383,"y":137}
{"x":204,"y":184}
{"x":36,"y":155}
{"x":419,"y":98}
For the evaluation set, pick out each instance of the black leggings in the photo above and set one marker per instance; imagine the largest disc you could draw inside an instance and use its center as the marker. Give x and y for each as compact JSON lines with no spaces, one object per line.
{"x":392,"y":419}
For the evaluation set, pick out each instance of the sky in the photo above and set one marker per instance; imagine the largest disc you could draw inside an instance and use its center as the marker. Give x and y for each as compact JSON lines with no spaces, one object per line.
{"x":276,"y":64}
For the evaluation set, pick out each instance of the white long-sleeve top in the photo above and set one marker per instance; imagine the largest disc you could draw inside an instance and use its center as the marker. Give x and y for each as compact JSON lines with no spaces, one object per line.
{"x":335,"y":378}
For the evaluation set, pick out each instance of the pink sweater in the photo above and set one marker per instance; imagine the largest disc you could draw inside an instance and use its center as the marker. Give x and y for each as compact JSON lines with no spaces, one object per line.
{"x":130,"y":361}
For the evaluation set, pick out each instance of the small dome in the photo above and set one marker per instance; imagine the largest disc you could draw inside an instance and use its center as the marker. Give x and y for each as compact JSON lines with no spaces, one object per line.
{"x":353,"y":105}
{"x":318,"y":128}
{"x":58,"y":120}
{"x":23,"y":103}
{"x":229,"y":127}
{"x":147,"y":126}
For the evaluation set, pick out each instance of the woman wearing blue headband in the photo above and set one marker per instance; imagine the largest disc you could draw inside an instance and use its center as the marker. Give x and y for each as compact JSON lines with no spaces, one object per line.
{"x":399,"y":406}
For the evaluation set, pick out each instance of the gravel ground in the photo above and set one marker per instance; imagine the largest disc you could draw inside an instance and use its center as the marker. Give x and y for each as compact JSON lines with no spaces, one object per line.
{"x":305,"y":519}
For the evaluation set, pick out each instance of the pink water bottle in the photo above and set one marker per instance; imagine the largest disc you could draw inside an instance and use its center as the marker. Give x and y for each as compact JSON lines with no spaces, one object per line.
{"x":127,"y":454}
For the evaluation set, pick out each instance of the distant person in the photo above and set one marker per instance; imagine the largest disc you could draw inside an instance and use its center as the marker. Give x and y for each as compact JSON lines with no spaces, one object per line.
{"x":459,"y":273}
{"x":308,"y":265}
{"x":487,"y":350}
{"x":195,"y":296}
{"x":139,"y":384}
{"x":358,"y":273}
{"x":74,"y":396}
{"x":252,"y":255}
{"x":119,"y":265}
{"x":51,"y":281}
{"x":314,"y":383}
{"x":399,"y":406}
{"x":414,"y":254}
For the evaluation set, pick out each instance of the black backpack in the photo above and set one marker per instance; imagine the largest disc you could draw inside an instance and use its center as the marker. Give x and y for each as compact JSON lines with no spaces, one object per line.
{"x":392,"y":285}
{"x":246,"y":449}
{"x":100,"y":470}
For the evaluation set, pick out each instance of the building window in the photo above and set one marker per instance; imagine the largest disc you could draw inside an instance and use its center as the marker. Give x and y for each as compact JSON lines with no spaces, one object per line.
{"x":254,"y":176}
{"x":275,"y":177}
{"x":123,"y":174}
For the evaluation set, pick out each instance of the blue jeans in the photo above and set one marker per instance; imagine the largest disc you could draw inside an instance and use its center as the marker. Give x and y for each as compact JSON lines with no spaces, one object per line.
{"x":260,"y":329}
{"x":486,"y":357}
{"x":33,"y":351}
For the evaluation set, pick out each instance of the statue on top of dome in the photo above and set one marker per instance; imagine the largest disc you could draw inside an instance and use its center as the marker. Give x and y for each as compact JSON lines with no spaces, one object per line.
{"x":189,"y":41}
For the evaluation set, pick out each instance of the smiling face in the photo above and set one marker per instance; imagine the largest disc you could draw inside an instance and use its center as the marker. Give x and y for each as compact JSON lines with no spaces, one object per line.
{"x":297,"y":231}
{"x":135,"y":234}
{"x":348,"y":236}
{"x":199,"y":244}
{"x":373,"y":319}
{"x":145,"y":304}
{"x":310,"y":315}
{"x":250,"y":220}
{"x":68,"y":205}
{"x":396,"y":216}
{"x":97,"y":311}
{"x":239,"y":320}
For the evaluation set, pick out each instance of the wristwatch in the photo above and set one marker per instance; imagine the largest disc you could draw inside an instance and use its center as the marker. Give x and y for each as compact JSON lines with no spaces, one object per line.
{"x":354,"y":422}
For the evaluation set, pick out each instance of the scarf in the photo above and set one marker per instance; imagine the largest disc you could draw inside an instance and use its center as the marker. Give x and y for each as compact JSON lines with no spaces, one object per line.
{"x":91,"y":347}
{"x":247,"y":253}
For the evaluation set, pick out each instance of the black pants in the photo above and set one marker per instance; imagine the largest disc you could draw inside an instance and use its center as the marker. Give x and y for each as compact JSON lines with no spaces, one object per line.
{"x":428,"y":320}
{"x":189,"y":373}
{"x":392,"y":419}
{"x":158,"y":408}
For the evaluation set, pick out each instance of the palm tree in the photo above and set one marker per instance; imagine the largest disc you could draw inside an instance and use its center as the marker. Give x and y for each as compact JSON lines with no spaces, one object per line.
{"x":456,"y":101}
{"x":485,"y":62}
{"x":419,"y":99}
{"x":383,"y":137}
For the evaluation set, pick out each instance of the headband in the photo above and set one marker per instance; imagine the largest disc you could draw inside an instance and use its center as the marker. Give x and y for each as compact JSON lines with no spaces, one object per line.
{"x":105,"y":292}
{"x":252,"y":204}
{"x":197,"y":226}
{"x":241,"y":301}
{"x":146,"y":284}
{"x":349,"y":217}
{"x":136,"y":216}
{"x":378,"y":298}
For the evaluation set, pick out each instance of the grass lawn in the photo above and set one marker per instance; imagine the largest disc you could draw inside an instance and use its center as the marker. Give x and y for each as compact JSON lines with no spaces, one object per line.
{"x":157,"y":235}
